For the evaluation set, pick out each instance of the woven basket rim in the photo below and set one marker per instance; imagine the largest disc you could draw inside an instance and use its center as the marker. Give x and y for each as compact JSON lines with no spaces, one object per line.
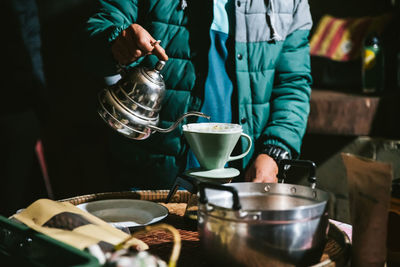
{"x":181,"y":196}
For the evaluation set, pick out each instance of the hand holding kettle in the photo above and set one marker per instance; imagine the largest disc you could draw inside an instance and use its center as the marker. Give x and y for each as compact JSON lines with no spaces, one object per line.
{"x":132,"y":105}
{"x":135,"y":42}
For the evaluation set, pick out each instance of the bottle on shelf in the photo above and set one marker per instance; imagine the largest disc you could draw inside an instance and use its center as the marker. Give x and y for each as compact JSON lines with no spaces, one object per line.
{"x":373,"y":72}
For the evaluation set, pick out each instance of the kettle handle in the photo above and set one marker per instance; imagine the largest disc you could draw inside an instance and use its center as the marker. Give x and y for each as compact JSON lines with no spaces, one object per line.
{"x":171,"y":128}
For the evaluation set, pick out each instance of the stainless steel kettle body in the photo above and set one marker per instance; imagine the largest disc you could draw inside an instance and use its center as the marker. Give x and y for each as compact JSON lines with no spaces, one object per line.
{"x":132,"y":105}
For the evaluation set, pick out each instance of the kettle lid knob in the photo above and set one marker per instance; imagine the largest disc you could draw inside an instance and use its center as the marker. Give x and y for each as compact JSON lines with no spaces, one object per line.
{"x":159,"y":65}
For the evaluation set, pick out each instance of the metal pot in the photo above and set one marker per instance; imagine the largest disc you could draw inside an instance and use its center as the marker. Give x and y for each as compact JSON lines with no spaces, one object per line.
{"x":263,"y":224}
{"x":132,"y":105}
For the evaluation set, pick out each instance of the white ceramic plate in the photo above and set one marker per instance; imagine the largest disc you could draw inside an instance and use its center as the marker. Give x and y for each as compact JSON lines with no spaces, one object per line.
{"x":123,"y":213}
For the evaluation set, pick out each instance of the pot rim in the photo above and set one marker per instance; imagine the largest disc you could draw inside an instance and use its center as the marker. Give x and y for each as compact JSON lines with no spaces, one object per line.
{"x":213,"y":206}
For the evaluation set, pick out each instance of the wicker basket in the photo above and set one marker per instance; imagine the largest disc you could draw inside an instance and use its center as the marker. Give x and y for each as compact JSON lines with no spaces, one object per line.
{"x":336,"y":253}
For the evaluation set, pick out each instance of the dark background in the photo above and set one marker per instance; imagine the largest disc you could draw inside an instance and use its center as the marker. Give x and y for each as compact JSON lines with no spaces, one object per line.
{"x":74,"y":137}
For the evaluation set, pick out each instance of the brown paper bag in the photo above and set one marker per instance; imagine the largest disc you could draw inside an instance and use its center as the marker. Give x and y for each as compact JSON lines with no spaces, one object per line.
{"x":369,"y":184}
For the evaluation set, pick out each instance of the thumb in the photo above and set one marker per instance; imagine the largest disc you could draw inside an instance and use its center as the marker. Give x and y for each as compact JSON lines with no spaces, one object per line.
{"x":159,"y":52}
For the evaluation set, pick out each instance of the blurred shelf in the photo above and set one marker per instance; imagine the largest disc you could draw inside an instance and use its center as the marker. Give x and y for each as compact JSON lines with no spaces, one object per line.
{"x":341,"y":113}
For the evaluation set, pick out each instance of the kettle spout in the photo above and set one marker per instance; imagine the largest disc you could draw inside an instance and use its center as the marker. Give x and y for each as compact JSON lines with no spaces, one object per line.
{"x":170,"y":129}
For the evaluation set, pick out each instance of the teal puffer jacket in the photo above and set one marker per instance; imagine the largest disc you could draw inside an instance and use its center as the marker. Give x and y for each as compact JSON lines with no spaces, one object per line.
{"x":270,"y":59}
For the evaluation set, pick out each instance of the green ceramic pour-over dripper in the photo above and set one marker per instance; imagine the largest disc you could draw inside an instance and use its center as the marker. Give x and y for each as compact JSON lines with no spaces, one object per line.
{"x":213,"y":143}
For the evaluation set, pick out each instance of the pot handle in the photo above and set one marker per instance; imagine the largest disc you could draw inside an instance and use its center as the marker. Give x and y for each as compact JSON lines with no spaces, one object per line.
{"x":203,"y":198}
{"x":310,"y":165}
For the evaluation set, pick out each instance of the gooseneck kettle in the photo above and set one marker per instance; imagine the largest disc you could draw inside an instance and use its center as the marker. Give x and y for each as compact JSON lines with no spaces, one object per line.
{"x":132,"y":105}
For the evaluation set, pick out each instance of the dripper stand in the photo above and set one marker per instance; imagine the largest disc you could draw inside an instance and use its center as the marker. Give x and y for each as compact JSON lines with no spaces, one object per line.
{"x":190,"y":180}
{"x":192,"y":177}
